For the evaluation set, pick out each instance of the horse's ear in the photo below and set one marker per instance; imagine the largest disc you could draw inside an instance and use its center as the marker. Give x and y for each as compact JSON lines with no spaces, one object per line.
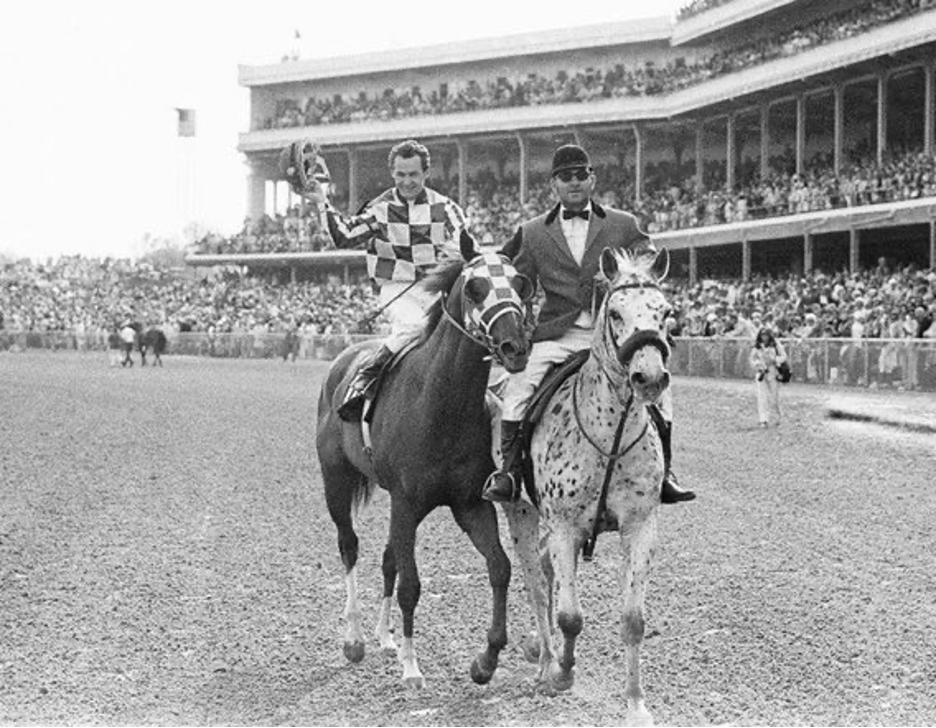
{"x":608,"y":264}
{"x":661,"y":264}
{"x":469,"y":251}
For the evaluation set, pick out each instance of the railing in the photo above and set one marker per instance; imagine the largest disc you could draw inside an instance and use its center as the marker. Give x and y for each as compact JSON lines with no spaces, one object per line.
{"x":241,"y":345}
{"x":897,"y":363}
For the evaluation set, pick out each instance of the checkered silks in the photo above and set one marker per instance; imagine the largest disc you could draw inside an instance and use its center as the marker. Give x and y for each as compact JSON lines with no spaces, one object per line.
{"x":403,"y":238}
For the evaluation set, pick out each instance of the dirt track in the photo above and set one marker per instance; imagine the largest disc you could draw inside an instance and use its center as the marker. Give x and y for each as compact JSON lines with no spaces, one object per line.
{"x":165,"y":558}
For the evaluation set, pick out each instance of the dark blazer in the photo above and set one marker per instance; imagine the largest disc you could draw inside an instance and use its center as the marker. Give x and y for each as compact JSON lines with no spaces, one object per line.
{"x":540,"y":251}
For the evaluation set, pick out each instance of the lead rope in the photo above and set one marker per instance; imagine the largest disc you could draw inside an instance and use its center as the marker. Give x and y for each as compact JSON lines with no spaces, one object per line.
{"x":588,"y":548}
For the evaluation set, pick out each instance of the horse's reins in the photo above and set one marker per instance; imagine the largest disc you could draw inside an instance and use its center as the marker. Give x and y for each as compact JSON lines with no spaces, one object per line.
{"x":482,"y":336}
{"x":614,"y":453}
{"x":374,"y":314}
{"x":636,"y":341}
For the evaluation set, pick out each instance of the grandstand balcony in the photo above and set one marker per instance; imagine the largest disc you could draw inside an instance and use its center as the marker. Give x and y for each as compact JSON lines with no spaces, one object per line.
{"x":842,"y":86}
{"x":723,"y":17}
{"x":738,"y":87}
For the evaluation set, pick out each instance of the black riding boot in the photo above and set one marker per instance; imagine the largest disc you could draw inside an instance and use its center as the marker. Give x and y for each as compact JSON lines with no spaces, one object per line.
{"x":670,"y":492}
{"x":362,"y":384}
{"x":503,"y":486}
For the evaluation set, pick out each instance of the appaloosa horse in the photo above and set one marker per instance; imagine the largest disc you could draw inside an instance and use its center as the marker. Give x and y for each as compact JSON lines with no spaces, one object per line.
{"x":597,"y":464}
{"x":431,"y":444}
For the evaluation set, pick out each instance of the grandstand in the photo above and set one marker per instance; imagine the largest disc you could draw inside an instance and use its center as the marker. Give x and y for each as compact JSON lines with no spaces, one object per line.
{"x":753,"y":136}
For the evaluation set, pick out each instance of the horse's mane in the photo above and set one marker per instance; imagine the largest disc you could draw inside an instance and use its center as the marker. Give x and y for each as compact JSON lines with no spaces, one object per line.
{"x":632,"y":264}
{"x":440,"y":280}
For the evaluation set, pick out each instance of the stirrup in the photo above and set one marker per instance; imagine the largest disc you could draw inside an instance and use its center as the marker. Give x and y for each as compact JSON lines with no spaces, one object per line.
{"x":351,"y":409}
{"x":352,"y":406}
{"x":490,"y":493}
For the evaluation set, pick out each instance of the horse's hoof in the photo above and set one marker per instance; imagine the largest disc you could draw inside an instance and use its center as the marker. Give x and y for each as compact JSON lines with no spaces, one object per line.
{"x":561,"y":680}
{"x":531,"y":647}
{"x":417,"y":682}
{"x":354,"y":651}
{"x":638,"y":716}
{"x":480,"y":674}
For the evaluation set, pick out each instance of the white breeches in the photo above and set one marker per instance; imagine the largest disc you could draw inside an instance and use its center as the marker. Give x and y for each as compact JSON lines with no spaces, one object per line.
{"x":521,"y":386}
{"x":405,"y":313}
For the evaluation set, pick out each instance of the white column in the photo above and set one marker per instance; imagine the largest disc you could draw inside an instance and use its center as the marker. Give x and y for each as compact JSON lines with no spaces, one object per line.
{"x":522,"y":167}
{"x":256,"y":191}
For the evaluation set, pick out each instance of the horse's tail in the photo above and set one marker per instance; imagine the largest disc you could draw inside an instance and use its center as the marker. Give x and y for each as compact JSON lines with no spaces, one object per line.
{"x":357,"y":488}
{"x":361,"y":493}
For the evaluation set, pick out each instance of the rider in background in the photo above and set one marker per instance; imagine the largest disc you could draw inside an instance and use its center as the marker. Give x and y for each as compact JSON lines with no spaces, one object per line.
{"x":561,"y":251}
{"x":405,"y":230}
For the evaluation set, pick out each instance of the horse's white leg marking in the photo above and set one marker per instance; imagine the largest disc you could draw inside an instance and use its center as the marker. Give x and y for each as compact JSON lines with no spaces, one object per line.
{"x":384,"y":630}
{"x":523,"y":520}
{"x":407,"y":656}
{"x":638,"y":541}
{"x":354,"y":634}
{"x":563,"y":546}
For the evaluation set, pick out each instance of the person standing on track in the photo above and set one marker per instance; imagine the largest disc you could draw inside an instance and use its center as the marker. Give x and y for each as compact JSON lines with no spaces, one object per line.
{"x":765,"y":356}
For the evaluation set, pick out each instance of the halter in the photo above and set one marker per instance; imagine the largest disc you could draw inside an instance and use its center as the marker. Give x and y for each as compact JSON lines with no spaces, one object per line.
{"x":479,"y":331}
{"x":624,"y":355}
{"x":636,"y":341}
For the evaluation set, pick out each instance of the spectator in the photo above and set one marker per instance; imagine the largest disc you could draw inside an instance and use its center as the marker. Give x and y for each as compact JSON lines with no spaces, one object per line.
{"x":765,"y":356}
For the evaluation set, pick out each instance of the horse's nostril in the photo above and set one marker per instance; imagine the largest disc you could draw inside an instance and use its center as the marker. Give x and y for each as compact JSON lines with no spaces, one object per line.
{"x":638,"y":378}
{"x":508,"y":349}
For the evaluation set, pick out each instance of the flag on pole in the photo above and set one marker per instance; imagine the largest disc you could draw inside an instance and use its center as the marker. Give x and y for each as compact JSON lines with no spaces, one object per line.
{"x":186,"y":122}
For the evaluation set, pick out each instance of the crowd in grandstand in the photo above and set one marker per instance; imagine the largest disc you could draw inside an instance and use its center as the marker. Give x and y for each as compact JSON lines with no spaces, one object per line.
{"x":88,"y":295}
{"x":493,"y":205}
{"x":591,"y":84}
{"x":94,"y":296}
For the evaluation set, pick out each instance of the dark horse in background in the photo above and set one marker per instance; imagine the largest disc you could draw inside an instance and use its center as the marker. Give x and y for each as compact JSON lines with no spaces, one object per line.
{"x":431,"y":444}
{"x":153,"y":340}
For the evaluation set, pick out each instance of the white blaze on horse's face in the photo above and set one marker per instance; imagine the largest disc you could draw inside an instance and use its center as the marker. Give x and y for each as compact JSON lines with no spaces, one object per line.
{"x":632,"y":326}
{"x":494,"y":307}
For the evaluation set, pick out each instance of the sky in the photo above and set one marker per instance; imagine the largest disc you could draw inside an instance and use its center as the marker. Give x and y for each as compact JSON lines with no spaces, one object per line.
{"x":90,"y":160}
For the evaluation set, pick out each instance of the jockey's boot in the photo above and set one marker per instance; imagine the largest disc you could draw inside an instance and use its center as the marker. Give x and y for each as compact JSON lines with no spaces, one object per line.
{"x":670,"y":492}
{"x":503,"y":486}
{"x":363,"y":382}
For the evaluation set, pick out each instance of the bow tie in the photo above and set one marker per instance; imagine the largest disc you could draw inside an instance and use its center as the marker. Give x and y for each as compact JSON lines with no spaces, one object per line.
{"x":569,"y":214}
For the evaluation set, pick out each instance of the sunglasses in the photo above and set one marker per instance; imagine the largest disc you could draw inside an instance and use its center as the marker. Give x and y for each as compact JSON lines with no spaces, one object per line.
{"x":581,"y":175}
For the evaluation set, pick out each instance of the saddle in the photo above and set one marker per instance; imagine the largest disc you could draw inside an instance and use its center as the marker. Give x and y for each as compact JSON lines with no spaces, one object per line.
{"x":367,"y":416}
{"x":554,"y":379}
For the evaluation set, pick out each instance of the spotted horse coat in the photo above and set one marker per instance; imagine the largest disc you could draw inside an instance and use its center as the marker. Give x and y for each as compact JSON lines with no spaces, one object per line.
{"x":597,"y":429}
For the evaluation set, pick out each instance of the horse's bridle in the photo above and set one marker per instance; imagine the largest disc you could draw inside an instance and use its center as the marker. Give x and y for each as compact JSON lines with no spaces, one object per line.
{"x":641,"y":337}
{"x":624,"y":355}
{"x":480,"y":332}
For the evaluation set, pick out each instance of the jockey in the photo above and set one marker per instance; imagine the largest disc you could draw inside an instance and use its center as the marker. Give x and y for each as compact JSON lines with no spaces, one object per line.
{"x":405,"y":230}
{"x":561,"y":251}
